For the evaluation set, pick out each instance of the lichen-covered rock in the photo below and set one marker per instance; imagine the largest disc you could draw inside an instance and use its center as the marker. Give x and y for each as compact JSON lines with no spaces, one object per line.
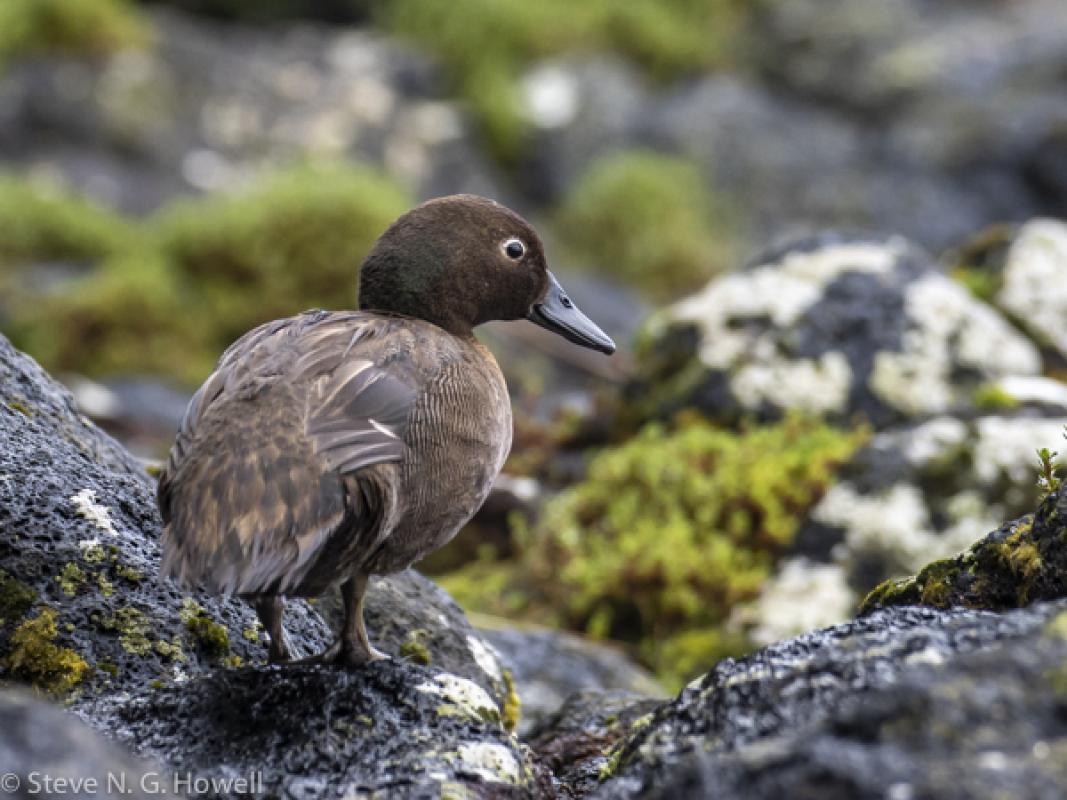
{"x":1019,"y":563}
{"x":927,"y":491}
{"x":906,"y":702}
{"x":832,"y":325}
{"x":393,"y":728}
{"x":548,"y":666}
{"x":51,"y":755}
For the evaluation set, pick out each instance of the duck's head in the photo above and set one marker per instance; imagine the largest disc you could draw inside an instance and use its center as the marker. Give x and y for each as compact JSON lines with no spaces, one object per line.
{"x":462,"y":260}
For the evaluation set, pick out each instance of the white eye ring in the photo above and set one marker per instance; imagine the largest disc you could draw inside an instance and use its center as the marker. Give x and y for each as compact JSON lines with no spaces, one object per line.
{"x":514,"y":249}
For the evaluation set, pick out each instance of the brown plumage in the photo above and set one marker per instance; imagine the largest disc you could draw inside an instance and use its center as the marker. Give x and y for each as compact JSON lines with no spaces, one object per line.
{"x":331,"y":446}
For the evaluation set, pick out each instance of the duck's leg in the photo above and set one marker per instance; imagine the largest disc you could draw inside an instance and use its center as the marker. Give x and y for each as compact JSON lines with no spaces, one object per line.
{"x":356,"y":648}
{"x":351,"y":648}
{"x":269,"y":610}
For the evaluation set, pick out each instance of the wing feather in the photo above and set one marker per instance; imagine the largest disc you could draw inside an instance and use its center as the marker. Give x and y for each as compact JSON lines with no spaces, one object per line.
{"x":282,"y":469}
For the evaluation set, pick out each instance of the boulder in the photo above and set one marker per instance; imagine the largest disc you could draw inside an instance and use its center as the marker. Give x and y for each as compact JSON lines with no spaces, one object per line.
{"x":906,"y":702}
{"x":84,"y":616}
{"x":837,"y":325}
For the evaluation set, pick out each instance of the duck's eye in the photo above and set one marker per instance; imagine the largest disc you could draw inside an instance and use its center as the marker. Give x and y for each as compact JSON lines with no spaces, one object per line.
{"x":514,"y":249}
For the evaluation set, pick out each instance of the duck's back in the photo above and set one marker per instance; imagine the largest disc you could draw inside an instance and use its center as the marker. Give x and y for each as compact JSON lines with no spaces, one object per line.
{"x":317,"y":439}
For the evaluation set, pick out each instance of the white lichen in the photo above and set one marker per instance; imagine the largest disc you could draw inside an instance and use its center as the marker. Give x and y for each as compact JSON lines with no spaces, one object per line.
{"x":1033,"y":289}
{"x":486,"y":658}
{"x":86,"y":506}
{"x":491,"y":762}
{"x":800,"y":597}
{"x":817,"y":387}
{"x":461,"y":696}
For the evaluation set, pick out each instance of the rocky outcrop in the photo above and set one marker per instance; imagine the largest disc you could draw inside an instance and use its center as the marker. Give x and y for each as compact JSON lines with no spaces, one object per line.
{"x":907,"y":702}
{"x":84,"y":616}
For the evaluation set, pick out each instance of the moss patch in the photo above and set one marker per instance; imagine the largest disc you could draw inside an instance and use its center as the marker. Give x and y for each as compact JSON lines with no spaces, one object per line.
{"x":71,"y":579}
{"x":132,"y":627}
{"x":511,"y":714}
{"x":72,"y":27}
{"x":1021,"y":562}
{"x":35,"y":658}
{"x":665,"y":535}
{"x":210,"y":636}
{"x":414,"y":649}
{"x":16,"y":598}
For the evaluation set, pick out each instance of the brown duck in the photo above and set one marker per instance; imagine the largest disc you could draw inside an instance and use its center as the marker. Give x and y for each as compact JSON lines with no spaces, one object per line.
{"x":332,"y":446}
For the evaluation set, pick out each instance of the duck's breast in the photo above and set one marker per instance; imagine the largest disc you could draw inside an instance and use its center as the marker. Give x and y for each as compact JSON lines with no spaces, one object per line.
{"x":458,"y":436}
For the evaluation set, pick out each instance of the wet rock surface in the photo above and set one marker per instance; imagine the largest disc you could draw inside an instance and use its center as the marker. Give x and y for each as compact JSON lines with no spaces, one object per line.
{"x":961,"y":704}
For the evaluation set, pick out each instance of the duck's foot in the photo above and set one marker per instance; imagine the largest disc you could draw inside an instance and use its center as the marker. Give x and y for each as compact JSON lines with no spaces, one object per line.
{"x":343,"y":654}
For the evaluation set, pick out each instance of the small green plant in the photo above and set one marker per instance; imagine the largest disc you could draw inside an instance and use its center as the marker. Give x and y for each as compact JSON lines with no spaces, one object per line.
{"x":1048,"y":481}
{"x":649,"y":220}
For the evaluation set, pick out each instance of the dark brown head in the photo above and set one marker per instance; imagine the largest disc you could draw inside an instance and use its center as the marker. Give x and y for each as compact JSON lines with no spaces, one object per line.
{"x":462,"y":260}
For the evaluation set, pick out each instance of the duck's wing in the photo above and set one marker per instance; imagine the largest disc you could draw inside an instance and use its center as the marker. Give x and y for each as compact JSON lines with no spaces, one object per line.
{"x":286,"y":457}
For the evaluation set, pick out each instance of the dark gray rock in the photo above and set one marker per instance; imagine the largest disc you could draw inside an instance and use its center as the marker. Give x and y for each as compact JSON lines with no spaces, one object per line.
{"x":549,"y":666}
{"x":45,"y":753}
{"x":905,"y":703}
{"x":393,"y":728}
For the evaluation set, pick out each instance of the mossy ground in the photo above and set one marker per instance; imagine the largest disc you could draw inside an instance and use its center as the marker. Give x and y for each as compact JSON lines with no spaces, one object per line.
{"x":667,"y":533}
{"x":1019,"y":563}
{"x":71,"y":27}
{"x":168,"y":294}
{"x":34,"y":657}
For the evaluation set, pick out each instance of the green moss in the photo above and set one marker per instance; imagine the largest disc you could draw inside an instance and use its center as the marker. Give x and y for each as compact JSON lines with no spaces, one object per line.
{"x":16,"y":598}
{"x":129,"y":573}
{"x":511,"y":713}
{"x":170,"y":293}
{"x":71,"y":579}
{"x":35,"y":658}
{"x":485,"y":44}
{"x":73,"y":27}
{"x":107,"y":588}
{"x":648,"y":220}
{"x":93,"y":554}
{"x":132,"y":627}
{"x":251,"y":633}
{"x":413,"y":649}
{"x":667,"y":533}
{"x":210,"y":635}
{"x":171,"y":650}
{"x":991,"y":397}
{"x":108,"y":668}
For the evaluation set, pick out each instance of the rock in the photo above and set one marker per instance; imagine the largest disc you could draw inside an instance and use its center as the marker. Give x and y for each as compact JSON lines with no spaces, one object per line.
{"x":922,"y":492}
{"x":84,"y":615}
{"x":393,"y":728}
{"x":832,"y":325}
{"x":1019,"y":563}
{"x":906,"y":702}
{"x":574,"y":743}
{"x":549,"y":666}
{"x":51,"y":755}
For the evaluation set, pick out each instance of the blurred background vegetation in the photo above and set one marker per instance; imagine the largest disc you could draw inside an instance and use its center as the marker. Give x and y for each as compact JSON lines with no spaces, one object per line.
{"x":174,"y":173}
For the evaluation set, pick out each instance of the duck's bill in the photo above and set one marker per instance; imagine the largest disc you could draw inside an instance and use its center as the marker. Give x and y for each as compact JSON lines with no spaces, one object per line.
{"x":559,"y":314}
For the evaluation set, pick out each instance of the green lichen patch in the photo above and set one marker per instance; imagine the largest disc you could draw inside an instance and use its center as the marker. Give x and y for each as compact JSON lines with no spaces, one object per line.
{"x":132,"y":627}
{"x":128,"y":573}
{"x":34,"y":657}
{"x":16,"y":598}
{"x":511,"y":713}
{"x":252,"y":632}
{"x":210,"y":636}
{"x":20,"y":407}
{"x":71,"y":579}
{"x":1021,"y":562}
{"x":414,"y":648}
